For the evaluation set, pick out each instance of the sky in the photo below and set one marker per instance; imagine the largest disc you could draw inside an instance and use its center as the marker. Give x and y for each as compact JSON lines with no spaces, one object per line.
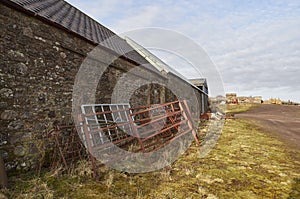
{"x":255,"y":45}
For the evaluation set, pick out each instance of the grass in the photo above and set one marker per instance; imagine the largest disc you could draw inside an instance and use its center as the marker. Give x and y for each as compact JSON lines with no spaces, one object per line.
{"x":245,"y":163}
{"x":238,"y":108}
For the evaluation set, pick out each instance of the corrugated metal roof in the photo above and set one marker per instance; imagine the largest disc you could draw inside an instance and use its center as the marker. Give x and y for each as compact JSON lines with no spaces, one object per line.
{"x":64,"y":14}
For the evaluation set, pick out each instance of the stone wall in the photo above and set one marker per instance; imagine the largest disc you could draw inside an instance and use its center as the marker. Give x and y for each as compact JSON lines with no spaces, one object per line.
{"x":39,"y":63}
{"x":38,"y":66}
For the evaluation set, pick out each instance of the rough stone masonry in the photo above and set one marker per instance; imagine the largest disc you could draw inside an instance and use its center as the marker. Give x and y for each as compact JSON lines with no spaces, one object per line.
{"x":38,"y":64}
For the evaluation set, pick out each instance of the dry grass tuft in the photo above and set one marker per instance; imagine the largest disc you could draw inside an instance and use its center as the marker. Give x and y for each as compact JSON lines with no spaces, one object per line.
{"x":246,"y":163}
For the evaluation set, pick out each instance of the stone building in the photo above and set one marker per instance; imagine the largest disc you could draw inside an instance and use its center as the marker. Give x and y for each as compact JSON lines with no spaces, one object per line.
{"x":257,"y":99}
{"x":273,"y":101}
{"x":43,"y":45}
{"x":231,"y":98}
{"x":249,"y":100}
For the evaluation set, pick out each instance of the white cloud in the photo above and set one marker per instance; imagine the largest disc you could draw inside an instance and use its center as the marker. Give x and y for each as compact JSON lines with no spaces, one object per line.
{"x":144,"y":17}
{"x":256,"y":44}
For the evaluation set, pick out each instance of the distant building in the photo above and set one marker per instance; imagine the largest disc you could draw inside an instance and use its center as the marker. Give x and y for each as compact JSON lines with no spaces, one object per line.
{"x":231,"y":98}
{"x":257,"y":99}
{"x":273,"y":101}
{"x":245,"y":100}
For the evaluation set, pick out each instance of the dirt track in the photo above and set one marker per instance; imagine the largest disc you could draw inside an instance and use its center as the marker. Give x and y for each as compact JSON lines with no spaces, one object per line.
{"x":279,"y":120}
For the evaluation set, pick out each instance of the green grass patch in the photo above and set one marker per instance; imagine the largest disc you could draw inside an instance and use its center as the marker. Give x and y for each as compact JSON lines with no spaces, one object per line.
{"x":245,"y":163}
{"x":238,"y":108}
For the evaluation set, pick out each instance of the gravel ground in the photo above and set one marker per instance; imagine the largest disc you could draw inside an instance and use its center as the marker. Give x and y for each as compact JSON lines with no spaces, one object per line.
{"x":281,"y":121}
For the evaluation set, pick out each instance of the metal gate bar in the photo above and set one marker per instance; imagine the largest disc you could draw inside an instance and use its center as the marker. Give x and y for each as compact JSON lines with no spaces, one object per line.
{"x":68,"y":147}
{"x":148,"y":128}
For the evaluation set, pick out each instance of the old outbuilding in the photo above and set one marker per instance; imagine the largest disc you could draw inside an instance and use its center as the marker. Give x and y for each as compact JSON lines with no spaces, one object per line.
{"x":43,"y":45}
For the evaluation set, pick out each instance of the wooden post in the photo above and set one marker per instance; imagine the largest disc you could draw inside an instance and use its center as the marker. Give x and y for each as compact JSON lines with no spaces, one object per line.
{"x":3,"y":177}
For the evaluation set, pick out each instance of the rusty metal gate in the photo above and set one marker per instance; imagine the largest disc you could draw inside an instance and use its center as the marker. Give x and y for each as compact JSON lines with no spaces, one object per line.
{"x":147,"y":128}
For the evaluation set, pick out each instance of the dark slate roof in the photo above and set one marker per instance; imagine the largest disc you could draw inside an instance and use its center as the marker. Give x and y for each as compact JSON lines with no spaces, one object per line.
{"x":64,"y":14}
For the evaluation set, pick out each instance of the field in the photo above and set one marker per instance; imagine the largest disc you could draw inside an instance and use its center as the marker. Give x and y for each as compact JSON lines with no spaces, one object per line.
{"x":238,"y":108}
{"x":246,"y":163}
